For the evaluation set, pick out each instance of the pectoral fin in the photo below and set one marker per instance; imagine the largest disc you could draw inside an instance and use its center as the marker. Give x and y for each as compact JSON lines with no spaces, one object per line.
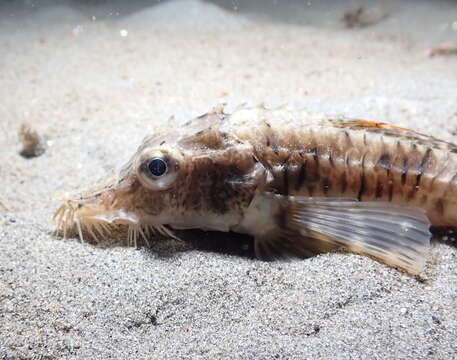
{"x":395,"y":234}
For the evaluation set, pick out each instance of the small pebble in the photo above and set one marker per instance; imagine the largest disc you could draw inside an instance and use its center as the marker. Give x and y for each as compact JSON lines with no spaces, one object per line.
{"x":361,"y":17}
{"x":32,"y":144}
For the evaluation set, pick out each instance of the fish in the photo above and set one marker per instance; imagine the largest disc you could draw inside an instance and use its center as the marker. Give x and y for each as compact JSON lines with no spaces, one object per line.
{"x":297,"y":182}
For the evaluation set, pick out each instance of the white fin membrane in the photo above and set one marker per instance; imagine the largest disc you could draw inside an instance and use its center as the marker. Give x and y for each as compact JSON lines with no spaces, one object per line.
{"x":395,"y":234}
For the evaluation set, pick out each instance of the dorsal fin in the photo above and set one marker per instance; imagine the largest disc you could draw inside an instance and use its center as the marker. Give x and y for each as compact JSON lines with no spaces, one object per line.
{"x":391,"y":130}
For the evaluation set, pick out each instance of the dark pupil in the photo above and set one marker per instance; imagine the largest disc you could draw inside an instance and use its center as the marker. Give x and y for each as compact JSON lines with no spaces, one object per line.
{"x":157,"y":167}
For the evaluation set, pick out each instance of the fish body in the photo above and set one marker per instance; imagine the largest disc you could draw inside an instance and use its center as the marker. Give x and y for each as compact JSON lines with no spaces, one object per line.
{"x":299,"y":183}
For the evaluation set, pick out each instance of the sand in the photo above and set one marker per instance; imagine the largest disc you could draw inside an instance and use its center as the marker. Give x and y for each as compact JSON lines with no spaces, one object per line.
{"x":93,"y":79}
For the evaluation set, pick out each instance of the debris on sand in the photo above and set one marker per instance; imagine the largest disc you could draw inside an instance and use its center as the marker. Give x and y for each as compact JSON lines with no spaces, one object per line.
{"x":445,"y":49}
{"x":4,"y":207}
{"x":453,"y":129}
{"x":32,"y":143}
{"x":362,"y":17}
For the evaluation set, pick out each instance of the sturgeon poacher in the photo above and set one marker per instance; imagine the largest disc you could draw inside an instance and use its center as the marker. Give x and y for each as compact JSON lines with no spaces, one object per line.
{"x":300,"y":184}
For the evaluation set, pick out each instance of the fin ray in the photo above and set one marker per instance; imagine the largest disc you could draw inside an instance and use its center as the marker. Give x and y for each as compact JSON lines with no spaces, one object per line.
{"x":395,"y":234}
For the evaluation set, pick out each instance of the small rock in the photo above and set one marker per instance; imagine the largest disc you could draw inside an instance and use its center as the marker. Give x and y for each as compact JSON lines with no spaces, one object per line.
{"x":362,"y":17}
{"x":445,"y":49}
{"x":32,"y":143}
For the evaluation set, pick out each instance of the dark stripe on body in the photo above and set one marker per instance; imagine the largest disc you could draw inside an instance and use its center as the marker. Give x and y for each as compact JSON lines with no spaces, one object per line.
{"x":421,"y":168}
{"x":379,"y":190}
{"x":285,"y":176}
{"x":385,"y":163}
{"x":301,"y":176}
{"x":391,"y":187}
{"x":313,"y":151}
{"x":450,"y":184}
{"x":344,"y":183}
{"x":362,"y":180}
{"x":326,"y":185}
{"x":330,"y":159}
{"x":404,"y":170}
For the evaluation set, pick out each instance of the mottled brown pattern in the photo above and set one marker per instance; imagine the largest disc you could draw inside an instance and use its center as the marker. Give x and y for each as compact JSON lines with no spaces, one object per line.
{"x":222,"y":161}
{"x":365,"y":161}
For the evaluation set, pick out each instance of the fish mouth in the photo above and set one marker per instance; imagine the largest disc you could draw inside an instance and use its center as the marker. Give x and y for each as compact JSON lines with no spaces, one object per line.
{"x":96,"y":224}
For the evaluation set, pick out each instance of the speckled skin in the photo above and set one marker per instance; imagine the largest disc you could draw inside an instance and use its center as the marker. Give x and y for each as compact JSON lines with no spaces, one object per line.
{"x":219,"y":162}
{"x":355,"y":159}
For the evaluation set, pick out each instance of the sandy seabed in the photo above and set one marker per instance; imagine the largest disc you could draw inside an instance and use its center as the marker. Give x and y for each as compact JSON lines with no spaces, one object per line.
{"x":94,"y":79}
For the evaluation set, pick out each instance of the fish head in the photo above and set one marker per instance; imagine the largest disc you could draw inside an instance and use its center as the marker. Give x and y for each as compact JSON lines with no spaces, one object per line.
{"x":190,"y":177}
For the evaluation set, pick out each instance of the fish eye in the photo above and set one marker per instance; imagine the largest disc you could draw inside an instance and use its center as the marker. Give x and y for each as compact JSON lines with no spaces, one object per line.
{"x":157,"y":167}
